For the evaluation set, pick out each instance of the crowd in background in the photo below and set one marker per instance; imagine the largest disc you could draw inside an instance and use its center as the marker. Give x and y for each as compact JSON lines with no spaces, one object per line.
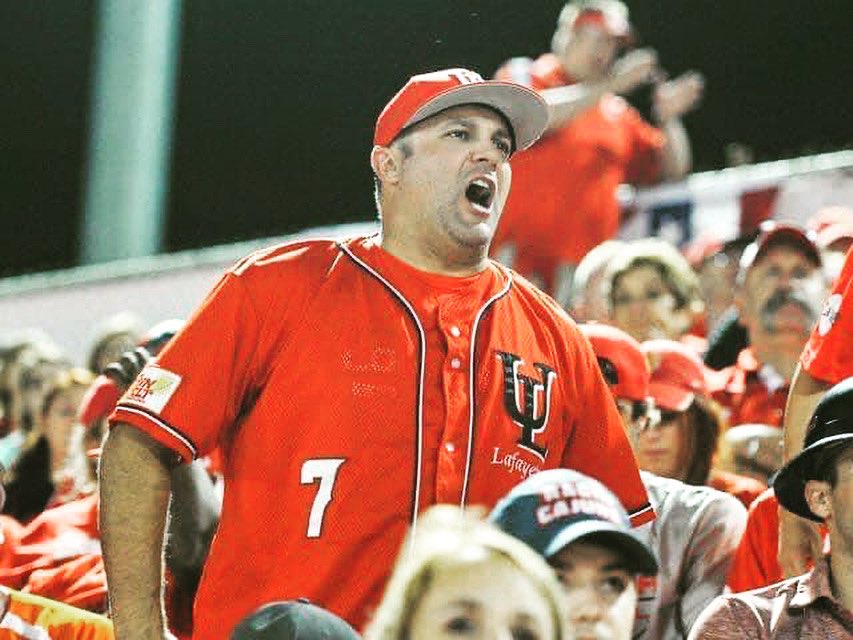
{"x":700,"y":346}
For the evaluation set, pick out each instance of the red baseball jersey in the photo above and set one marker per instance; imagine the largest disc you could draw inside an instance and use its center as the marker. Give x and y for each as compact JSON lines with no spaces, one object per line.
{"x":828,"y":355}
{"x":29,"y":617}
{"x":563,"y":197}
{"x":348,"y":392}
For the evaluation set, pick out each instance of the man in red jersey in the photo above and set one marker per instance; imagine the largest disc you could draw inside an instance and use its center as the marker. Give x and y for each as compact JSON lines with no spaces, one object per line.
{"x":353,"y":384}
{"x":563,"y":201}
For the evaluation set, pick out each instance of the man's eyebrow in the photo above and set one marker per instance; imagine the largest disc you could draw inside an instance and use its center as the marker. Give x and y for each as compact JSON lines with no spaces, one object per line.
{"x":468,"y":122}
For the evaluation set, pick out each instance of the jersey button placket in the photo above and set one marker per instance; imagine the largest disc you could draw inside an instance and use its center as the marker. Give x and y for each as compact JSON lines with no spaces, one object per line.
{"x":454,"y":445}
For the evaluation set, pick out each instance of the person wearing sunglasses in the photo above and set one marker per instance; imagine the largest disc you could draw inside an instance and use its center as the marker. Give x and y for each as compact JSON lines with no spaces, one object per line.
{"x":697,"y":528}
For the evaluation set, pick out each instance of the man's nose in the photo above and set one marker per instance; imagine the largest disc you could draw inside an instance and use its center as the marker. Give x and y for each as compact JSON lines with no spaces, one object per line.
{"x":487,"y":153}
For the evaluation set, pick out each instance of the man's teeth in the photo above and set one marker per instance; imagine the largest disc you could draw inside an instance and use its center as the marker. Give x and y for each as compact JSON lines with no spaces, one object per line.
{"x":480,"y":207}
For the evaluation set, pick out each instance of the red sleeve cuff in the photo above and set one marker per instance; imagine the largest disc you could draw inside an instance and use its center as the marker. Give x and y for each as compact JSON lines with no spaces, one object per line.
{"x":154,"y":426}
{"x":642,"y":515}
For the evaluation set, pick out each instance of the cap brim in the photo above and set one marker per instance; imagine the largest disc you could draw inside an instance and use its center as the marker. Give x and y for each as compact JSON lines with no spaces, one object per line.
{"x":833,"y":234}
{"x":789,"y":483}
{"x":523,"y":108}
{"x":783,"y":234}
{"x":637,"y":556}
{"x":670,"y":397}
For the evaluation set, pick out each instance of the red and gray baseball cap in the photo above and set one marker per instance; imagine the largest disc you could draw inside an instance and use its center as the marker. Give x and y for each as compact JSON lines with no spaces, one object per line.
{"x":611,"y":16}
{"x":831,"y":426}
{"x":427,"y":94}
{"x":293,"y":620}
{"x":678,"y":375}
{"x":552,"y":509}
{"x":773,"y":234}
{"x":621,"y":360}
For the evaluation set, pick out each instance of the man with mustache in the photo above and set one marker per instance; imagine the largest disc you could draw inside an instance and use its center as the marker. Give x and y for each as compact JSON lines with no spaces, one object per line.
{"x":780,"y":288}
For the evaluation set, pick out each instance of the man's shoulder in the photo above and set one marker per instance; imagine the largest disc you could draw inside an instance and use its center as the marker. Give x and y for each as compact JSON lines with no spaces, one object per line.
{"x":527,"y":293}
{"x":679,"y":502}
{"x":297,"y":254}
{"x":765,"y":599}
{"x":735,"y":614}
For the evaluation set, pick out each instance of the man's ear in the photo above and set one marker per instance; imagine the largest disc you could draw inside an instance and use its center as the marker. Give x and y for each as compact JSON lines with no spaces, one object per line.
{"x":819,"y":498}
{"x":386,"y":163}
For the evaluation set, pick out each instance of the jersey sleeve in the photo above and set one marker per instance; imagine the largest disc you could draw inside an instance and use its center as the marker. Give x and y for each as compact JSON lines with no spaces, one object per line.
{"x":647,"y":142}
{"x":828,"y":355}
{"x":599,"y":445}
{"x":196,"y":387}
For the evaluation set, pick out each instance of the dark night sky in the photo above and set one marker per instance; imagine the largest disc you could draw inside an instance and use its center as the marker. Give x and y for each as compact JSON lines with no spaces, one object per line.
{"x":276,"y":100}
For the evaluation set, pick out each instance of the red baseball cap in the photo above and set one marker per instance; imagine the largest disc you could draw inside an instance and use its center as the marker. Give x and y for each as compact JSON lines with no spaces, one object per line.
{"x":427,"y":94}
{"x":610,"y":17}
{"x":621,"y":360}
{"x":678,"y":374}
{"x":772,"y":233}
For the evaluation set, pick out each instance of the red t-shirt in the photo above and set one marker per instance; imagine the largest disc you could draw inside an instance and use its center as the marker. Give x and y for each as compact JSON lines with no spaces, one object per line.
{"x":755,"y":563}
{"x":743,"y":488}
{"x":744,"y":395}
{"x":828,"y":355}
{"x":349,"y":392}
{"x":563,"y":197}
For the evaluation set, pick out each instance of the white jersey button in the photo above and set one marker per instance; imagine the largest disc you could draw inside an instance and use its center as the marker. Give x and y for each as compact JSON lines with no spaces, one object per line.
{"x":455,"y":363}
{"x":450,"y":447}
{"x":455,"y":332}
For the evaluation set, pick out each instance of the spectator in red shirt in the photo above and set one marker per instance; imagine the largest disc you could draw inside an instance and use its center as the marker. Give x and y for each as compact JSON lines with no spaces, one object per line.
{"x":780,"y":289}
{"x":563,"y":201}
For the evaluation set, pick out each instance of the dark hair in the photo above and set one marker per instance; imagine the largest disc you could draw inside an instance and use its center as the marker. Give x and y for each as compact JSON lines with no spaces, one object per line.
{"x":705,"y":423}
{"x":824,"y":464}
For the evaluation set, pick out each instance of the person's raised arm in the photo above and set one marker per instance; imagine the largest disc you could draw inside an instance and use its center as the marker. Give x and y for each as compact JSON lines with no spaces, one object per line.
{"x":134,"y":492}
{"x":672,"y":100}
{"x":631,"y":71}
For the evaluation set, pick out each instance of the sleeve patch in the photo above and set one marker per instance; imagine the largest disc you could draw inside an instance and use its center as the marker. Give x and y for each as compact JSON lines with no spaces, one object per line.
{"x":152,"y":388}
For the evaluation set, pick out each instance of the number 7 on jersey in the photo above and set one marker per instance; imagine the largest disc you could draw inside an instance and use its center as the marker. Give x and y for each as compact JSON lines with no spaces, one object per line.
{"x":326,"y":471}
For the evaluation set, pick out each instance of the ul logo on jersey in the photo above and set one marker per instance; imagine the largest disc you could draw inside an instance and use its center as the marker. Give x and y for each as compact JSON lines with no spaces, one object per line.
{"x":527,"y":400}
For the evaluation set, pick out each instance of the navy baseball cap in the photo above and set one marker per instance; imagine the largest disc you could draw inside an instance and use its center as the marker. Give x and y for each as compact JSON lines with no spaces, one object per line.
{"x":293,"y":620}
{"x":554,"y":508}
{"x":831,"y":426}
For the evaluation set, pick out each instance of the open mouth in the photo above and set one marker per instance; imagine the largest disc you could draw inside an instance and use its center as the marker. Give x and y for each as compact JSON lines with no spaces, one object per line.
{"x":481,"y":193}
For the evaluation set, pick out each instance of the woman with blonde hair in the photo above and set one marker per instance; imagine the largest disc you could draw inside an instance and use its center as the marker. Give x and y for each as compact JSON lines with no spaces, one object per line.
{"x":653,"y":291}
{"x":459,"y":576}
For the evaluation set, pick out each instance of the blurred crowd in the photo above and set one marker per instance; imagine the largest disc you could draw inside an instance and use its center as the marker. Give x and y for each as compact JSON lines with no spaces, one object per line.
{"x":702,"y":346}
